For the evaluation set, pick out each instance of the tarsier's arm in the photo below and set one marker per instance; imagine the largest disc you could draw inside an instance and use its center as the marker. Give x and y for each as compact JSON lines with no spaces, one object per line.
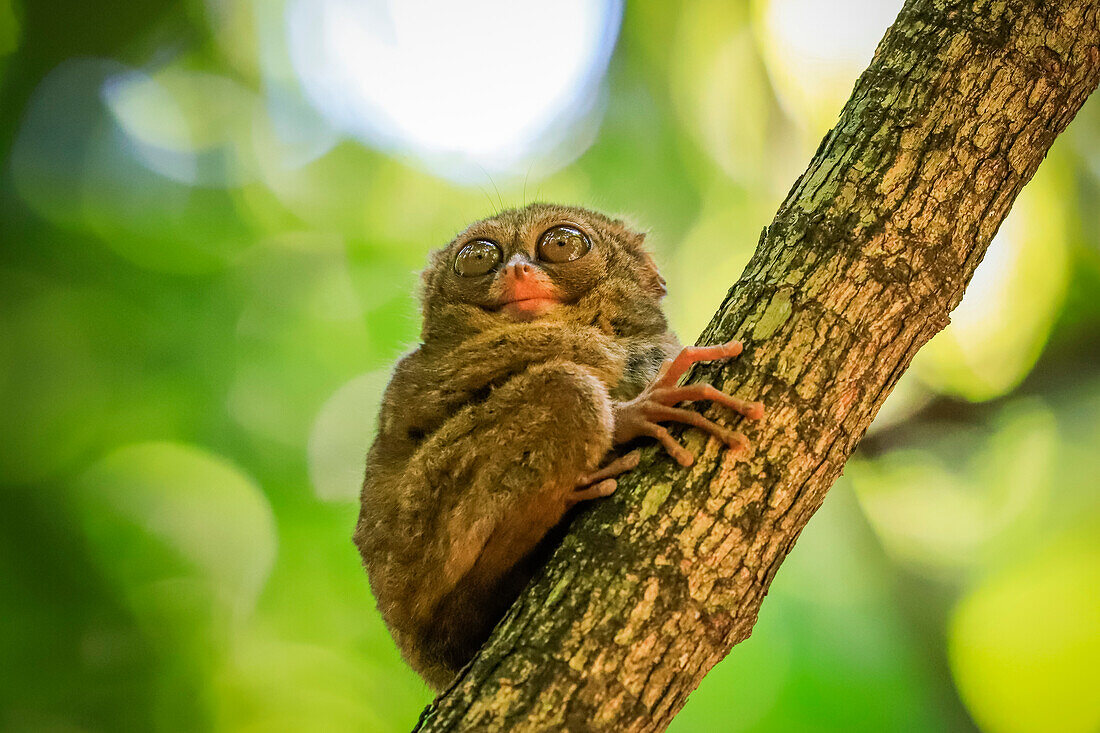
{"x":493,"y":357}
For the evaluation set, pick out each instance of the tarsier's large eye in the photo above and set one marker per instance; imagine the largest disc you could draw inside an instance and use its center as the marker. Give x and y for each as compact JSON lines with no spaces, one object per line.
{"x":477,"y":258}
{"x":563,"y":244}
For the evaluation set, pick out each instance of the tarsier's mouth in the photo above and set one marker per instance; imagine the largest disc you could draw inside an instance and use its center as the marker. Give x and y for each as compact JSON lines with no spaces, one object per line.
{"x":529,"y":307}
{"x":532,"y":299}
{"x":528,"y":293}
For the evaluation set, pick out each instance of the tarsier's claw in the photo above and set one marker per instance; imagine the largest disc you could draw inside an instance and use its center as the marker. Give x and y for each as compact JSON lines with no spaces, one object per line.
{"x":656,"y":404}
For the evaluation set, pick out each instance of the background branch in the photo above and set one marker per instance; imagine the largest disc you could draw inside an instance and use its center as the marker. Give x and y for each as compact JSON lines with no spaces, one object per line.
{"x":870,"y":251}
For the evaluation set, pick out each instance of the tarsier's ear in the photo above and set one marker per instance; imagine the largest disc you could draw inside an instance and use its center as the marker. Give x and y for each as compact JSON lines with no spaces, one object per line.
{"x":651,"y":276}
{"x":427,"y":275}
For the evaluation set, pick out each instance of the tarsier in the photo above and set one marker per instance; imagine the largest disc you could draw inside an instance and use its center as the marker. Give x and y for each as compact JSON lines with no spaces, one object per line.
{"x":544,"y":348}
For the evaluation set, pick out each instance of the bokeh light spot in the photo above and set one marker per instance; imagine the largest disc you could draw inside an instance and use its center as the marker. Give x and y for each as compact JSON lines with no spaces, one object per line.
{"x":944,"y":518}
{"x":76,"y":167}
{"x":464,"y":87}
{"x":1002,"y":324}
{"x":720,"y":89}
{"x":9,"y":29}
{"x":191,"y":127}
{"x":816,"y":50}
{"x":162,"y":511}
{"x":341,"y":435}
{"x":1025,"y":646}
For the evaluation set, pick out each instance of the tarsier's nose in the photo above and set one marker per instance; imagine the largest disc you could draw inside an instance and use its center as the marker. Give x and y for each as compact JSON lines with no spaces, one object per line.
{"x":519,"y":267}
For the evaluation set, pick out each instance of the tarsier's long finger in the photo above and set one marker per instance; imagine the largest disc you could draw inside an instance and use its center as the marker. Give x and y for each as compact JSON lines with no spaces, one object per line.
{"x":688,"y":417}
{"x":596,"y":491}
{"x":618,"y":466}
{"x":691,"y":354}
{"x":678,"y":452}
{"x":688,"y":392}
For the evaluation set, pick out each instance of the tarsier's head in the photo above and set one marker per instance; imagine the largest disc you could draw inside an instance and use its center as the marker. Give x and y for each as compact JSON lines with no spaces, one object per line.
{"x":543,"y":262}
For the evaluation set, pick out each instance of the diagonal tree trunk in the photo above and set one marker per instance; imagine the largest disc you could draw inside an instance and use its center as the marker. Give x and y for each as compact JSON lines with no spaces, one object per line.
{"x":866,"y":257}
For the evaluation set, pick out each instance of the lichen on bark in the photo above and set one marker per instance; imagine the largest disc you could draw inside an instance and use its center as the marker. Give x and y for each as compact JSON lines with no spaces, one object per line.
{"x":866,"y":257}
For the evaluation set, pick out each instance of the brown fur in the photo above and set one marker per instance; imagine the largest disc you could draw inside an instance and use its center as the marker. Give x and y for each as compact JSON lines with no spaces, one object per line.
{"x":487,"y":426}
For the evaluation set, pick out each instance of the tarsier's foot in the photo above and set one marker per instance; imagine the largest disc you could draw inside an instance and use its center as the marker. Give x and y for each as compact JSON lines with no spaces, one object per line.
{"x":601,"y":483}
{"x":642,"y":414}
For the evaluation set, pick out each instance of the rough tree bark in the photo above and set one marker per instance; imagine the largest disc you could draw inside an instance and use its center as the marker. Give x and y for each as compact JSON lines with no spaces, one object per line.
{"x":868,"y":254}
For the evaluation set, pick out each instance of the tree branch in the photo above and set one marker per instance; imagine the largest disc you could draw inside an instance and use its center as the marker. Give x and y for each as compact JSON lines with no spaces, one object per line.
{"x":868,"y":254}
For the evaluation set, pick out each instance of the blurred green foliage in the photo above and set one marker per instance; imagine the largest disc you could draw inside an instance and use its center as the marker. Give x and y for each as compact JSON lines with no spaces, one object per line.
{"x":203,"y":285}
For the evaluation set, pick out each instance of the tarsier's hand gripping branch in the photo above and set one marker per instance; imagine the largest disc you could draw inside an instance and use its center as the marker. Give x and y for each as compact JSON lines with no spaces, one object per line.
{"x":641,"y":415}
{"x":657,"y":402}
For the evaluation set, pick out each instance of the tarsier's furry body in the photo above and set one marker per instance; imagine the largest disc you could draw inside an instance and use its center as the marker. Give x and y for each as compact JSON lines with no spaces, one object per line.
{"x":544,"y":346}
